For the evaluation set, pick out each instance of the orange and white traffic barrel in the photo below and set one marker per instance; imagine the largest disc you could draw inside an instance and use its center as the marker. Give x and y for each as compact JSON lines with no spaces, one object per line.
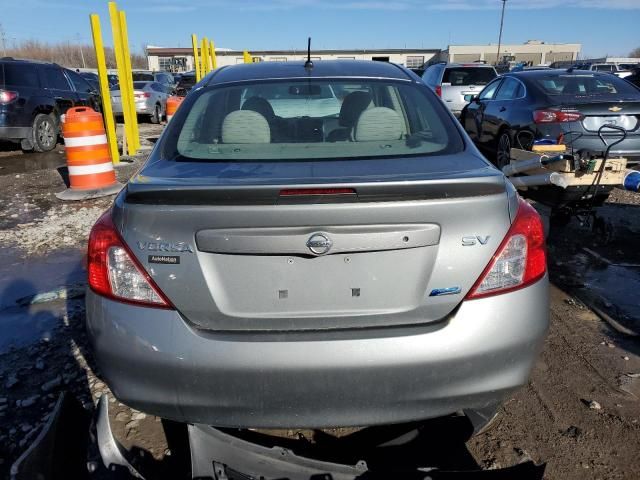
{"x":91,"y":172}
{"x":173,"y":103}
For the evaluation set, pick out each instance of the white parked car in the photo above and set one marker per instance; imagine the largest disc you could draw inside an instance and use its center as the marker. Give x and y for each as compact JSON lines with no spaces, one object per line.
{"x":150,"y":99}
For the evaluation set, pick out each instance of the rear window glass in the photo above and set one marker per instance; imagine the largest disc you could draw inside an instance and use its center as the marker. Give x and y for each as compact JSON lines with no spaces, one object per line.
{"x":584,"y":85}
{"x":311,"y":120}
{"x":145,"y":77}
{"x":18,"y":75}
{"x":464,"y":76}
{"x":139,"y":85}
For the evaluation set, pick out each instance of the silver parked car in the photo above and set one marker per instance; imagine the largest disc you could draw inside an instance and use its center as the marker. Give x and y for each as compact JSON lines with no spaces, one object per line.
{"x":366,"y":266}
{"x":150,"y":99}
{"x":452,"y":81}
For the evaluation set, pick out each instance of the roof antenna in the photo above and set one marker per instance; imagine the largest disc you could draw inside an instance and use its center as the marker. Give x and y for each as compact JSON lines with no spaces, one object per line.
{"x":308,"y":64}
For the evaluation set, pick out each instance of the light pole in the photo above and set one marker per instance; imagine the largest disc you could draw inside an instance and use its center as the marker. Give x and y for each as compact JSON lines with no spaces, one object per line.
{"x":504,"y":2}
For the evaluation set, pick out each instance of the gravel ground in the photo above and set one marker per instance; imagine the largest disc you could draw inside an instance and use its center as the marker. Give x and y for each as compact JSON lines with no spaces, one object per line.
{"x":579,"y":412}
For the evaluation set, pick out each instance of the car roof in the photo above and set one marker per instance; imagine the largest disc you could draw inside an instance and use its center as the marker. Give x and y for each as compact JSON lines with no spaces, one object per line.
{"x":26,"y":60}
{"x":468,"y":65}
{"x":321,"y":68}
{"x":557,"y":71}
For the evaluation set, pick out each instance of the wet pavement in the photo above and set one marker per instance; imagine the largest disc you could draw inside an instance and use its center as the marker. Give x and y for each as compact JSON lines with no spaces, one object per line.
{"x":604,"y":273}
{"x":26,"y":315}
{"x":14,"y":161}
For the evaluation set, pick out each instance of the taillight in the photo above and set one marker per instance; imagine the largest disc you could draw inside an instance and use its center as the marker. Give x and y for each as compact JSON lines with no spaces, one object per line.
{"x":520,"y":260}
{"x":7,"y":96}
{"x":142,"y":95}
{"x":439,"y":90}
{"x":114,"y":271}
{"x":556,"y":116}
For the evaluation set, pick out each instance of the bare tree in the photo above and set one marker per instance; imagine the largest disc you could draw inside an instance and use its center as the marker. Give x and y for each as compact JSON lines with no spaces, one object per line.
{"x":68,"y":54}
{"x":635,"y":53}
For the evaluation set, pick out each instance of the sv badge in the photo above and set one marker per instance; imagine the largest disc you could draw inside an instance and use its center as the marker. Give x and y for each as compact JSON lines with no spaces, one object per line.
{"x":474,"y":240}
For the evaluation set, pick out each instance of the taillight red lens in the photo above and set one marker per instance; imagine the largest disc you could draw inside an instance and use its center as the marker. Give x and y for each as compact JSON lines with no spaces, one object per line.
{"x":439,"y":90}
{"x":114,"y":272}
{"x":556,"y":116}
{"x":521,"y":258}
{"x":7,"y":96}
{"x":142,"y":95}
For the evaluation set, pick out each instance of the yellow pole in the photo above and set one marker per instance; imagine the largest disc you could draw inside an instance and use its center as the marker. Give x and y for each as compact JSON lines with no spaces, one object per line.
{"x":196,"y":61}
{"x":127,"y":63}
{"x":214,"y":61}
{"x":247,"y":57}
{"x":209,"y":65}
{"x":122,"y":73}
{"x":107,"y":109}
{"x":203,"y":58}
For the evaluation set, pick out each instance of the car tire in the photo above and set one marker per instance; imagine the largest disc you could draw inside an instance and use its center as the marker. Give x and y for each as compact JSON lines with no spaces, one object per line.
{"x":44,"y":134}
{"x":503,"y":150}
{"x":156,"y":116}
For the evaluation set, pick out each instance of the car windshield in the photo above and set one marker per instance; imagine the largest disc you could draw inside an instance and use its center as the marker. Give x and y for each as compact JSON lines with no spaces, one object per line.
{"x":464,"y":76}
{"x":311,"y":119}
{"x":585,"y":85}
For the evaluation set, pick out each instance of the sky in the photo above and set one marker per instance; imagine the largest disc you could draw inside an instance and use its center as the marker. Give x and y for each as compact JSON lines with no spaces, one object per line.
{"x":603,"y":27}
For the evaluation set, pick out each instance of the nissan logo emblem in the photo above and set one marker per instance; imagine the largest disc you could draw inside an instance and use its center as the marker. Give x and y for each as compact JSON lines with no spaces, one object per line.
{"x":319,"y":243}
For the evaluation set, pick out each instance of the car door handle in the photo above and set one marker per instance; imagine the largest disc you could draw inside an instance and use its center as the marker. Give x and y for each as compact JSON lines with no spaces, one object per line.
{"x":502,"y":109}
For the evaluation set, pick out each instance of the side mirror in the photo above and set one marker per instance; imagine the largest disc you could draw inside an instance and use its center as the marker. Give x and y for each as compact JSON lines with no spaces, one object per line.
{"x":470,"y":97}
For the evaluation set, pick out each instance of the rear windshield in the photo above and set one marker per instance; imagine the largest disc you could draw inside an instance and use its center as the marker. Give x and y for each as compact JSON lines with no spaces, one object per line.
{"x":311,"y":119}
{"x":585,"y":85}
{"x":137,"y":76}
{"x":464,"y":76}
{"x":139,"y":85}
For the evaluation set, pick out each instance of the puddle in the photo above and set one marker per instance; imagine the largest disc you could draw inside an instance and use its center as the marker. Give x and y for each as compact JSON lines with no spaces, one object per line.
{"x":29,"y":162}
{"x":22,"y":277}
{"x":22,"y":323}
{"x":24,"y":326}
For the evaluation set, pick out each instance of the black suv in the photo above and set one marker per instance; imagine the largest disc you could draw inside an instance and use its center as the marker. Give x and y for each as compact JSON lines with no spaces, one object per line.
{"x":33,"y":96}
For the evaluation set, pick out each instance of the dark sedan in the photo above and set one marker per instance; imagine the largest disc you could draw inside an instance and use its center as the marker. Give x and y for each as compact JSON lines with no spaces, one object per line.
{"x":563,"y":106}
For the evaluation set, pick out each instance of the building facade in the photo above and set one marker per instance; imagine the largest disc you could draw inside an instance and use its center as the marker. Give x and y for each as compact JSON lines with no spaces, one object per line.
{"x":181,"y":59}
{"x":534,"y":51}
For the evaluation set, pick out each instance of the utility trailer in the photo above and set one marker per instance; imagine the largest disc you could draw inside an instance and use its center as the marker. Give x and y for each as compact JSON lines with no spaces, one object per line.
{"x":571,"y":184}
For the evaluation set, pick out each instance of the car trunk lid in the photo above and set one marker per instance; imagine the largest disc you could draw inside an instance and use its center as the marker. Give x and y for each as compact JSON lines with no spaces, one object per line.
{"x":234,"y":255}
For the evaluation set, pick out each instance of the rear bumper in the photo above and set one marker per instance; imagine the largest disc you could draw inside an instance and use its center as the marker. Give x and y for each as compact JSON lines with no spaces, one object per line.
{"x":154,"y":361}
{"x":15,"y":133}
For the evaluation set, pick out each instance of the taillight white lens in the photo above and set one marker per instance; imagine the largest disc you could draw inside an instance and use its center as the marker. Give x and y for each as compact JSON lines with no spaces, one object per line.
{"x":114,"y":272}
{"x":520,"y":260}
{"x":508,"y":268}
{"x":125,"y":279}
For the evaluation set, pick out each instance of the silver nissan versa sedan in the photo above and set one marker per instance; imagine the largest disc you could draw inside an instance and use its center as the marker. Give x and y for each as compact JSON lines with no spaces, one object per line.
{"x":353,"y":267}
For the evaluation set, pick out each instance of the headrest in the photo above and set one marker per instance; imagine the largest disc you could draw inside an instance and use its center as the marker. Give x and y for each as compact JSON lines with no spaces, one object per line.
{"x":352,"y":106}
{"x":378,"y":124}
{"x":245,"y":126}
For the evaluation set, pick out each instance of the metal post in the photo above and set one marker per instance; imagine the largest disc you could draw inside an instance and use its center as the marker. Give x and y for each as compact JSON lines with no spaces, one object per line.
{"x":127,"y":63}
{"x":214,"y":61}
{"x":203,"y":58}
{"x":122,"y":74}
{"x":107,"y":110}
{"x":504,"y":2}
{"x":196,"y":61}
